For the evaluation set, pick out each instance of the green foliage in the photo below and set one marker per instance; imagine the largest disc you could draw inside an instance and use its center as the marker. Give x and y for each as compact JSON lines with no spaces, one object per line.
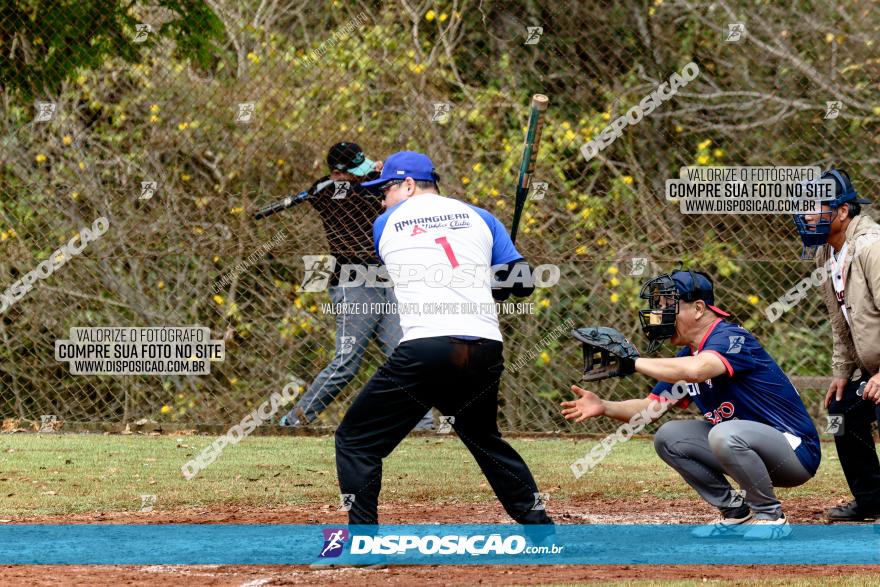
{"x":45,"y":42}
{"x":164,"y":110}
{"x":196,"y":31}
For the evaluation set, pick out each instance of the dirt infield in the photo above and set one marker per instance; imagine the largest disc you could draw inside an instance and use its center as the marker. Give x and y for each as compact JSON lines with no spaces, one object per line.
{"x":252,"y":576}
{"x":586,"y":509}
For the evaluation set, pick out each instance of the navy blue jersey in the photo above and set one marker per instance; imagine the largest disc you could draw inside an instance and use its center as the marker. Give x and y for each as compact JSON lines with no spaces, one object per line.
{"x":754,"y":388}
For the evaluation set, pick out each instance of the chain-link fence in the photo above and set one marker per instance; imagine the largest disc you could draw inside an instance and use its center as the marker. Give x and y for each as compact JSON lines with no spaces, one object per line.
{"x":176,"y":120}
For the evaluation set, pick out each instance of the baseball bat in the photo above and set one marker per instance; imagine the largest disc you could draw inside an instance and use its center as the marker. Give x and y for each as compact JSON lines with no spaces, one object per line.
{"x":530,"y":153}
{"x":289,"y":201}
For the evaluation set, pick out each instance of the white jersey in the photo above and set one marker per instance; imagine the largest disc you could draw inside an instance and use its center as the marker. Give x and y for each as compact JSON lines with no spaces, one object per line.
{"x":438,"y":252}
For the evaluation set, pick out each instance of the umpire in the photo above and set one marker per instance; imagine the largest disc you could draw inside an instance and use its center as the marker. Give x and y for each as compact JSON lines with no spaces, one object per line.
{"x":448,"y":360}
{"x":347,"y":215}
{"x":848,"y":245}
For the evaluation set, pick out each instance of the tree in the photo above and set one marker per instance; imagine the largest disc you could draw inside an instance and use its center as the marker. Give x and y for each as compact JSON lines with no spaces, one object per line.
{"x":44,"y":42}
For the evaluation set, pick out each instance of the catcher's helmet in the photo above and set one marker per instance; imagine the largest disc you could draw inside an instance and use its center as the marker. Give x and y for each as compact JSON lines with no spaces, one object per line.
{"x":814,"y":234}
{"x":663,"y":294}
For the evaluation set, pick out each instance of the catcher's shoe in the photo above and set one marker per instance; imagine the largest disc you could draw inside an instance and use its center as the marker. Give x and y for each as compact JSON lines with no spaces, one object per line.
{"x":767,"y":529}
{"x":723,"y":528}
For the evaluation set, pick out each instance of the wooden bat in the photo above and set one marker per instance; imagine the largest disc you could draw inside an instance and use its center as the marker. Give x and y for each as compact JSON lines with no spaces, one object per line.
{"x":530,"y":153}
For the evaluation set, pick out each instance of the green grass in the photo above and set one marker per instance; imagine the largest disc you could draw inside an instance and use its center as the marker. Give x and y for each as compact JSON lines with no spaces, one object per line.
{"x":73,"y":473}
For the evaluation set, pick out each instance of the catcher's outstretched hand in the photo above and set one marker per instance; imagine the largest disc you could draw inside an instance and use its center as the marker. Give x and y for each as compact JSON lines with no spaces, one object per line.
{"x":588,"y":405}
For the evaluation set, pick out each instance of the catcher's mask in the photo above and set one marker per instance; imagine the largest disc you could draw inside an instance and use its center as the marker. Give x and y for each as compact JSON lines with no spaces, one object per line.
{"x":815,"y":228}
{"x":663,"y":294}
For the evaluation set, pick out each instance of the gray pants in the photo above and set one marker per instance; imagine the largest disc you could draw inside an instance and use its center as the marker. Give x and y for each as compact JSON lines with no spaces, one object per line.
{"x":353,"y":334}
{"x":755,"y":455}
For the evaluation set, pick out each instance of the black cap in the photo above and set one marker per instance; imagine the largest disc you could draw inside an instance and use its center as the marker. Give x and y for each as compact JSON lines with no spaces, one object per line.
{"x":349,"y":157}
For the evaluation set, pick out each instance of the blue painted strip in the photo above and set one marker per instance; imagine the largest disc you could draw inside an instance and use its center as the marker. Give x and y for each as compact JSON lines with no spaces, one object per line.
{"x":272,"y":544}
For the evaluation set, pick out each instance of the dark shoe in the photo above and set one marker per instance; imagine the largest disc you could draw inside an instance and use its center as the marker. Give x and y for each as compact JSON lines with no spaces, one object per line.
{"x":850,"y":512}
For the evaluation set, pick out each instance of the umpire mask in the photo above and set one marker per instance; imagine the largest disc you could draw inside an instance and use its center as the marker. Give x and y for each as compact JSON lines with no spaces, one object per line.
{"x":814,"y":229}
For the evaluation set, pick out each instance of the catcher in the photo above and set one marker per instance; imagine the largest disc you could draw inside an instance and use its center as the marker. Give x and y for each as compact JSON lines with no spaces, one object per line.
{"x":756,"y":429}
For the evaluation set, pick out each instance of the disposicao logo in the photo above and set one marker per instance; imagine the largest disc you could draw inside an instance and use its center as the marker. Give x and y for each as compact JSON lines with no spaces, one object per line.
{"x":334,"y":542}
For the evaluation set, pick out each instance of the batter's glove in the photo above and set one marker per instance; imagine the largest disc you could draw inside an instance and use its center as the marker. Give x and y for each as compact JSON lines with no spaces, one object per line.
{"x":607,"y":353}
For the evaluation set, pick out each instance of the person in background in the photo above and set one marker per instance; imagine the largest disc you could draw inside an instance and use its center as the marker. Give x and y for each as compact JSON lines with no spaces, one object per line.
{"x":847,"y":243}
{"x":347,"y":213}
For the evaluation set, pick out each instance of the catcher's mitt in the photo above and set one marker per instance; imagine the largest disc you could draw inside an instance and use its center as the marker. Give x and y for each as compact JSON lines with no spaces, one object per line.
{"x":607,"y":353}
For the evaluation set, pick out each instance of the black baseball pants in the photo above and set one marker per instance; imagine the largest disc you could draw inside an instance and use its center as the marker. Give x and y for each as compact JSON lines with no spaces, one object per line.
{"x":458,"y":377}
{"x":855,"y":447}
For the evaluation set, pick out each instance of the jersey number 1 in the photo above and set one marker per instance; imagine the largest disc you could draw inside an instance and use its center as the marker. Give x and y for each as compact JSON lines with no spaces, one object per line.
{"x":448,"y":250}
